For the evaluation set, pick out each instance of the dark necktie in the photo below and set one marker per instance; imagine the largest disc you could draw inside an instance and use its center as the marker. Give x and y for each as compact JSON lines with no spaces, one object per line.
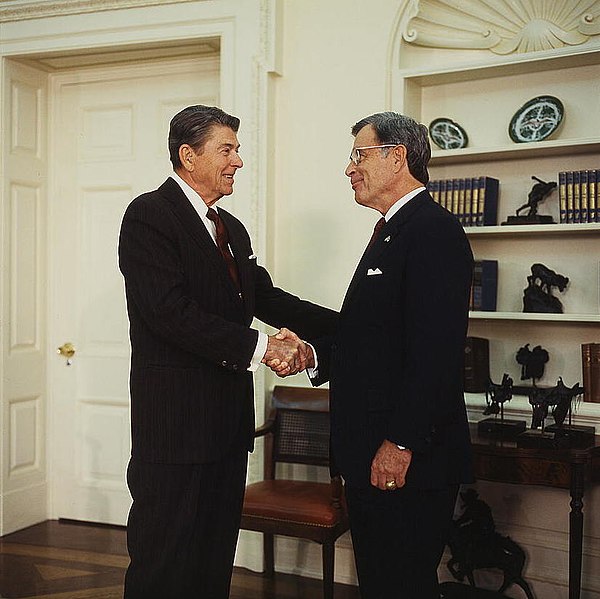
{"x":223,"y":245}
{"x":378,"y":226}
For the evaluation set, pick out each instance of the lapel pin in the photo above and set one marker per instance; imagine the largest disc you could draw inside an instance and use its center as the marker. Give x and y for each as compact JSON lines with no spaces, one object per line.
{"x":387,"y":238}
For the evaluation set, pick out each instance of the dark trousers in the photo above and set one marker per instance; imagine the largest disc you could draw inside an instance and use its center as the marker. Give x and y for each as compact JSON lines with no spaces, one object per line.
{"x":398,"y":538}
{"x":183,"y":528}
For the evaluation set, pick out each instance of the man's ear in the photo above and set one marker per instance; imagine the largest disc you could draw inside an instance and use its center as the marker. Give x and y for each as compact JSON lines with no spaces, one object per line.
{"x":186,"y":156}
{"x":399,"y":157}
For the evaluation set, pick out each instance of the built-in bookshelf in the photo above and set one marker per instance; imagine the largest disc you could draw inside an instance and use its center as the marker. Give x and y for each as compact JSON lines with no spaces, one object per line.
{"x":482,"y":97}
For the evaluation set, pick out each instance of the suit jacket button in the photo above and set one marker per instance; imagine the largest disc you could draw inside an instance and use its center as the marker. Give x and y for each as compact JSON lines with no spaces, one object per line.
{"x":224,"y":363}
{"x":235,"y":366}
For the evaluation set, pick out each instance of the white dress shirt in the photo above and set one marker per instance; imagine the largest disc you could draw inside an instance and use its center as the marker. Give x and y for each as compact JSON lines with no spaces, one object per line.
{"x":202,"y":209}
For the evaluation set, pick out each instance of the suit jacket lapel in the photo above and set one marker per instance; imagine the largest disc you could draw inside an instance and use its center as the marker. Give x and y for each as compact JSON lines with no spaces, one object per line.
{"x":191,"y":222}
{"x":383,"y":242}
{"x":360,"y":270}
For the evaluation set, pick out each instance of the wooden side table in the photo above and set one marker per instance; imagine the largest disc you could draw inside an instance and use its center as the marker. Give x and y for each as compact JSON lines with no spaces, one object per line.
{"x":502,"y":461}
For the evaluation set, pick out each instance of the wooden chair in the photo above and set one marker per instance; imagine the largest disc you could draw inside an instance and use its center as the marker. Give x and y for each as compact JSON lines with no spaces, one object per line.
{"x":297,"y":432}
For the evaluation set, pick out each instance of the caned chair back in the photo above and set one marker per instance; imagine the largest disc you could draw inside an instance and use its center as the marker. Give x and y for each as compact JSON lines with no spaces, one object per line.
{"x":300,"y":428}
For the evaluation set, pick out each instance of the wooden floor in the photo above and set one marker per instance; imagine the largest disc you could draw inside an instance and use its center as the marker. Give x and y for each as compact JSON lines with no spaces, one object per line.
{"x":66,"y":560}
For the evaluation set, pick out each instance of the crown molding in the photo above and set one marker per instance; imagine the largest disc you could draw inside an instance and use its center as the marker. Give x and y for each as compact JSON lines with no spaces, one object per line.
{"x":19,"y":10}
{"x":502,"y":26}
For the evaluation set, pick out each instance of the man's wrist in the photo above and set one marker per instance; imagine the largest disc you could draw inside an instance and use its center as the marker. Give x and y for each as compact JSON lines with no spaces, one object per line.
{"x":262,"y":342}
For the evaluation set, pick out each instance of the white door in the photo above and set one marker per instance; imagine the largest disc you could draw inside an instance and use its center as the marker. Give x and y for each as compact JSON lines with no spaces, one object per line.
{"x":23,"y":164}
{"x":109,"y":132}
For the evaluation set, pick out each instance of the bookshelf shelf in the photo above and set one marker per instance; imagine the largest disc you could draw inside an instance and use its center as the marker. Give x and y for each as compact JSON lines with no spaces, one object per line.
{"x":539,"y":317}
{"x":560,"y":147}
{"x":532,"y":231}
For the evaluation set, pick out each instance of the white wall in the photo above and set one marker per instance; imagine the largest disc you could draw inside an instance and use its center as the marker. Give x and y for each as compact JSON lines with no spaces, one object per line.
{"x":334,"y":72}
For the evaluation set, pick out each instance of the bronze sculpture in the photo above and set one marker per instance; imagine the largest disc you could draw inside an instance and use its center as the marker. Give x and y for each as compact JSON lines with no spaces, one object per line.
{"x":539,"y":192}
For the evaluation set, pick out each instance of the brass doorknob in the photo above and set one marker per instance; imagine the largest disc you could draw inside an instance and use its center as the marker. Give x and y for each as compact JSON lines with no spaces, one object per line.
{"x":67,"y":350}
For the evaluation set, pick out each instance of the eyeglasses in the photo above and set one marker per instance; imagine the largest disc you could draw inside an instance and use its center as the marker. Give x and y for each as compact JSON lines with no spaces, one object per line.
{"x":356,"y":157}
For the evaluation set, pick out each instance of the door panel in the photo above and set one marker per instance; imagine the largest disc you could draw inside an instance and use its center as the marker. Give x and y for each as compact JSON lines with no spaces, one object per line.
{"x":23,"y":291}
{"x":110,"y":145}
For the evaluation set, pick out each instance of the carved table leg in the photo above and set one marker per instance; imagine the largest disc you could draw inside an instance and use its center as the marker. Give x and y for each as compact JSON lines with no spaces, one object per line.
{"x":576,"y":529}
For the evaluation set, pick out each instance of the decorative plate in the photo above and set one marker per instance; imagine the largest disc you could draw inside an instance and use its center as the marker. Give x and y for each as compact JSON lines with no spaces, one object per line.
{"x":536,"y":119}
{"x":447,"y":134}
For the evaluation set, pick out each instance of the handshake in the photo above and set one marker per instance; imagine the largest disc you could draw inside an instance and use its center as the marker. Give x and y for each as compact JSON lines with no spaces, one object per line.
{"x":287,"y":354}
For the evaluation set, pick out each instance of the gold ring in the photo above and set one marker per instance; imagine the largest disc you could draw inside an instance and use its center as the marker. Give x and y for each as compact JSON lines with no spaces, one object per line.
{"x":390,"y":484}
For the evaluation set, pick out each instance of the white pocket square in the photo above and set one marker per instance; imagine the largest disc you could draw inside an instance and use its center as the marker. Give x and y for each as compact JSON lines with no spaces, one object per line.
{"x":373,"y":271}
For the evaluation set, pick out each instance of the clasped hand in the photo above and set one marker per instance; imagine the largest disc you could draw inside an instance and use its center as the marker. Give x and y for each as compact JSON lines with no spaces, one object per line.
{"x":287,"y":354}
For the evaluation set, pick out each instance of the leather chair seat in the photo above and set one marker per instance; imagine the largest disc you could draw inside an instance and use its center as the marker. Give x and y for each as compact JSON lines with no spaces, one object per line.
{"x":292,"y":501}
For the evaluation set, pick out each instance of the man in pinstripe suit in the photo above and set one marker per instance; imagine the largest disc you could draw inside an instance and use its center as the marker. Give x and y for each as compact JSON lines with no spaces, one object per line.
{"x":193,"y":287}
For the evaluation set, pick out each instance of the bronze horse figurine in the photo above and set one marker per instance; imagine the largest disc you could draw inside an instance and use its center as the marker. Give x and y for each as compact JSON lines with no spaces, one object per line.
{"x":537,"y":296}
{"x":474,"y":544}
{"x":547,"y":278}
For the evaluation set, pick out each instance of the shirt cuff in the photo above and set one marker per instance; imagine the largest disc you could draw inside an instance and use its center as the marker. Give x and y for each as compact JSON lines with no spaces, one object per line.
{"x":259,"y":352}
{"x":313,"y":373}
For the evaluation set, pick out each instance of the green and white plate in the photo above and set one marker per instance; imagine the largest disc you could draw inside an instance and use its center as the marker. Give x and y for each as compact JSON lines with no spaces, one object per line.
{"x":536,"y":120}
{"x":447,"y":134}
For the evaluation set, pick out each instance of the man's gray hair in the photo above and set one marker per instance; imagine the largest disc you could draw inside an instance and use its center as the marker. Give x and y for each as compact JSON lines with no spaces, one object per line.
{"x":395,"y":128}
{"x":193,"y":125}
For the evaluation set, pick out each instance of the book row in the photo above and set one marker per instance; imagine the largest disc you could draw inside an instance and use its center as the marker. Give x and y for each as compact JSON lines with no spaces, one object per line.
{"x":473,"y":200}
{"x":578,"y":196}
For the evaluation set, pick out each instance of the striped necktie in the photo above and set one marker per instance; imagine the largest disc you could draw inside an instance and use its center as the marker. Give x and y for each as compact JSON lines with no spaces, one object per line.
{"x":378,"y":226}
{"x":223,"y":245}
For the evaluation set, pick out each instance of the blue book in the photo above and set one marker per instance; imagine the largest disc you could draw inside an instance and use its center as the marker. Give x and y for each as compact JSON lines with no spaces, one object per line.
{"x":584,"y":191}
{"x":487,"y":208}
{"x":576,"y":197}
{"x":434,"y":190}
{"x":562,"y":196}
{"x":442,"y":193}
{"x":461,"y":202}
{"x":475,"y":201}
{"x":569,"y":196}
{"x":594,"y":179}
{"x":454,"y":186}
{"x":468,"y":220}
{"x":484,"y":290}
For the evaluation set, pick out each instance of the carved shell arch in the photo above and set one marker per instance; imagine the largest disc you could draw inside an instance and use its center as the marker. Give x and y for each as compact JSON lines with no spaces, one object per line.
{"x":502,"y":26}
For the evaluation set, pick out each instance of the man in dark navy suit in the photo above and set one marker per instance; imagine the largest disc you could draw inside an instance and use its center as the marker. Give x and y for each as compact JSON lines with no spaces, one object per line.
{"x":399,"y":432}
{"x":193,"y":287}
